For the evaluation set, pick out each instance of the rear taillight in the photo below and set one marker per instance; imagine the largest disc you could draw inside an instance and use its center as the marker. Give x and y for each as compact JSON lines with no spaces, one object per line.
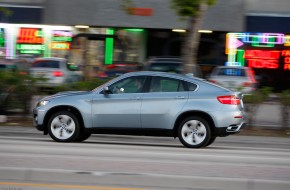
{"x":230,"y":99}
{"x":247,"y":84}
{"x":57,"y":73}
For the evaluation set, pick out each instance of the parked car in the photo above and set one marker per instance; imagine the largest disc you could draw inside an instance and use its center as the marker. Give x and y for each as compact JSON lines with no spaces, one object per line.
{"x":168,"y":64}
{"x":7,"y":67}
{"x":118,"y":68}
{"x":55,"y":71}
{"x":14,"y":65}
{"x":164,"y":64}
{"x":236,"y":78}
{"x":192,"y":109}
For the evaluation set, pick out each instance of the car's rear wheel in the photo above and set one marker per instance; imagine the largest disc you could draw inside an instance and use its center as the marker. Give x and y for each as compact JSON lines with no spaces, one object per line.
{"x":63,"y":126}
{"x":211,"y":140}
{"x":194,"y":132}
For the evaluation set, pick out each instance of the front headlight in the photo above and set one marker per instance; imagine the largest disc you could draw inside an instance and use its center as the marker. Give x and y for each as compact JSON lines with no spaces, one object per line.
{"x":42,"y":103}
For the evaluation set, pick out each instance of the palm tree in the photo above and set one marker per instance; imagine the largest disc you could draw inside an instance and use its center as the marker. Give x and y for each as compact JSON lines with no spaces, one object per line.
{"x":193,"y":11}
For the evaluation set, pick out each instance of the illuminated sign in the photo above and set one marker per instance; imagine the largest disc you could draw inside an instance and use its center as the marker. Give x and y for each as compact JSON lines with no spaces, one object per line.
{"x":258,"y":50}
{"x":61,"y":40}
{"x":30,"y":36}
{"x":60,"y":45}
{"x":30,"y":48}
{"x":30,"y":41}
{"x":2,"y":37}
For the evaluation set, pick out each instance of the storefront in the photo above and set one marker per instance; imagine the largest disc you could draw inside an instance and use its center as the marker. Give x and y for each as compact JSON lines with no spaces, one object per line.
{"x":20,"y":40}
{"x":94,"y":48}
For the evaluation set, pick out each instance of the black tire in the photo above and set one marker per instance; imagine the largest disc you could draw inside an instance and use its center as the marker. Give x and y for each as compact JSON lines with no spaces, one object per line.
{"x":211,"y":140}
{"x":83,"y":136}
{"x":63,"y":126}
{"x":194,"y":132}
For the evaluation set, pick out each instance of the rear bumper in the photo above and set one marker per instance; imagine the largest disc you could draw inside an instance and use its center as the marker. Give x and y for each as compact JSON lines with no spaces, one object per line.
{"x":232,"y":129}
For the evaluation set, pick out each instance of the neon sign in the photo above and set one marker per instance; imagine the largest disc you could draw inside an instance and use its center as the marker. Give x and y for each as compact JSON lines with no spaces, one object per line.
{"x":61,"y":40}
{"x":2,"y":37}
{"x":30,"y":36}
{"x":60,"y":45}
{"x":258,"y":50}
{"x":30,"y":48}
{"x":30,"y":41}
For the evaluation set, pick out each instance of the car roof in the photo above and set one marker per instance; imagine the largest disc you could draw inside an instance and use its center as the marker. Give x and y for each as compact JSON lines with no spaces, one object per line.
{"x":158,"y":73}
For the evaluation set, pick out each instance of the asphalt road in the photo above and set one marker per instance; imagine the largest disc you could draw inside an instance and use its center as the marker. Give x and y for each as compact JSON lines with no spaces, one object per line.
{"x":29,"y":160}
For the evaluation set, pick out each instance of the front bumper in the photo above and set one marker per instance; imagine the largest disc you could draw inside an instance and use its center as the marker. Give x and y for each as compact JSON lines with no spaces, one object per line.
{"x":38,"y":116}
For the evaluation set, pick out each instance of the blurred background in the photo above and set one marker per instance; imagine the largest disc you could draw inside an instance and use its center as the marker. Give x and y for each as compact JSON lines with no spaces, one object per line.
{"x":47,"y":46}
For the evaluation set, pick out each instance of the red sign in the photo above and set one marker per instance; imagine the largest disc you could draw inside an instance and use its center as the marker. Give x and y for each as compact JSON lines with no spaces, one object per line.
{"x":263,"y":63}
{"x":262,"y":54}
{"x":30,"y":36}
{"x":140,"y":11}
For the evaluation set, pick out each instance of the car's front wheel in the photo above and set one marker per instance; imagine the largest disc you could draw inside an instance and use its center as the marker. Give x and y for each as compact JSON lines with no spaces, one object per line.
{"x":63,"y":126}
{"x":194,"y":132}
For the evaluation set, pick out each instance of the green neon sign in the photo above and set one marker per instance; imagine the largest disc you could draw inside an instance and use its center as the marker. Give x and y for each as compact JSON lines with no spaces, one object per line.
{"x":2,"y":37}
{"x":30,"y":48}
{"x":109,"y":48}
{"x":135,"y":30}
{"x":61,"y":39}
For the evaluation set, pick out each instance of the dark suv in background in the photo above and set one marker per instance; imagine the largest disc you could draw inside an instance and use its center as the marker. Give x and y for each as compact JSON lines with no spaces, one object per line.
{"x":168,"y":64}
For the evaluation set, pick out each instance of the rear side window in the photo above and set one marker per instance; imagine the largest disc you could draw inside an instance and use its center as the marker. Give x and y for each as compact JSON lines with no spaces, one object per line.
{"x":47,"y":64}
{"x":231,"y":72}
{"x":163,"y":84}
{"x":191,"y":86}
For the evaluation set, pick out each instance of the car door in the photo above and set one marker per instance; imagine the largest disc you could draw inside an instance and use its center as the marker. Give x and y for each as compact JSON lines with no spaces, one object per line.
{"x":121,"y":107}
{"x":165,"y":99}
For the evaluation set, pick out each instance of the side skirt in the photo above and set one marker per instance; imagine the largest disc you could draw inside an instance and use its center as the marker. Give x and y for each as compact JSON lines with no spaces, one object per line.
{"x":130,"y":131}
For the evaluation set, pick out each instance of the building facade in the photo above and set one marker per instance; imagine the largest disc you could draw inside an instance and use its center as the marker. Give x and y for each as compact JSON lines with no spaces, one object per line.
{"x":243,"y":32}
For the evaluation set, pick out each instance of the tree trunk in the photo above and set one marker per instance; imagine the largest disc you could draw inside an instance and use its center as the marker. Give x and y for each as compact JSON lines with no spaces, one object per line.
{"x":191,"y":42}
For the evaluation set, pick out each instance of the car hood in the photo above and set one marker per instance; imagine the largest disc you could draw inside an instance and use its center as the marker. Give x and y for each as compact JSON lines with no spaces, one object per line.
{"x":66,"y":93}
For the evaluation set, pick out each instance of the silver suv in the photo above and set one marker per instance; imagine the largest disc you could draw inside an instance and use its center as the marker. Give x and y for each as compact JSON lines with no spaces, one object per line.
{"x":55,"y":71}
{"x":144,"y":103}
{"x":235,"y":78}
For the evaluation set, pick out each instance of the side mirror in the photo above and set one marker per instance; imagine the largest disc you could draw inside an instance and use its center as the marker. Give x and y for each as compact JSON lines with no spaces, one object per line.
{"x":106,"y":90}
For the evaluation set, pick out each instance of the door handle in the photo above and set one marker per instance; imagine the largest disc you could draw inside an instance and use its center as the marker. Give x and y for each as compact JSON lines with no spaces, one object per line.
{"x":180,"y":97}
{"x":136,"y":98}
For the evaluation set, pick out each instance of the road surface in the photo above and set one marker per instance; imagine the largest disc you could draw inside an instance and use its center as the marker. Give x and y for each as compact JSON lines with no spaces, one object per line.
{"x":29,"y":160}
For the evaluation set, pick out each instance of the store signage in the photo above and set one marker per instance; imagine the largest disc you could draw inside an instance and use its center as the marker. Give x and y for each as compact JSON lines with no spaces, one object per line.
{"x":61,"y":40}
{"x":30,"y":48}
{"x":140,"y":11}
{"x":2,"y":37}
{"x":60,"y":45}
{"x":30,"y":41}
{"x":30,"y":36}
{"x":258,"y":50}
